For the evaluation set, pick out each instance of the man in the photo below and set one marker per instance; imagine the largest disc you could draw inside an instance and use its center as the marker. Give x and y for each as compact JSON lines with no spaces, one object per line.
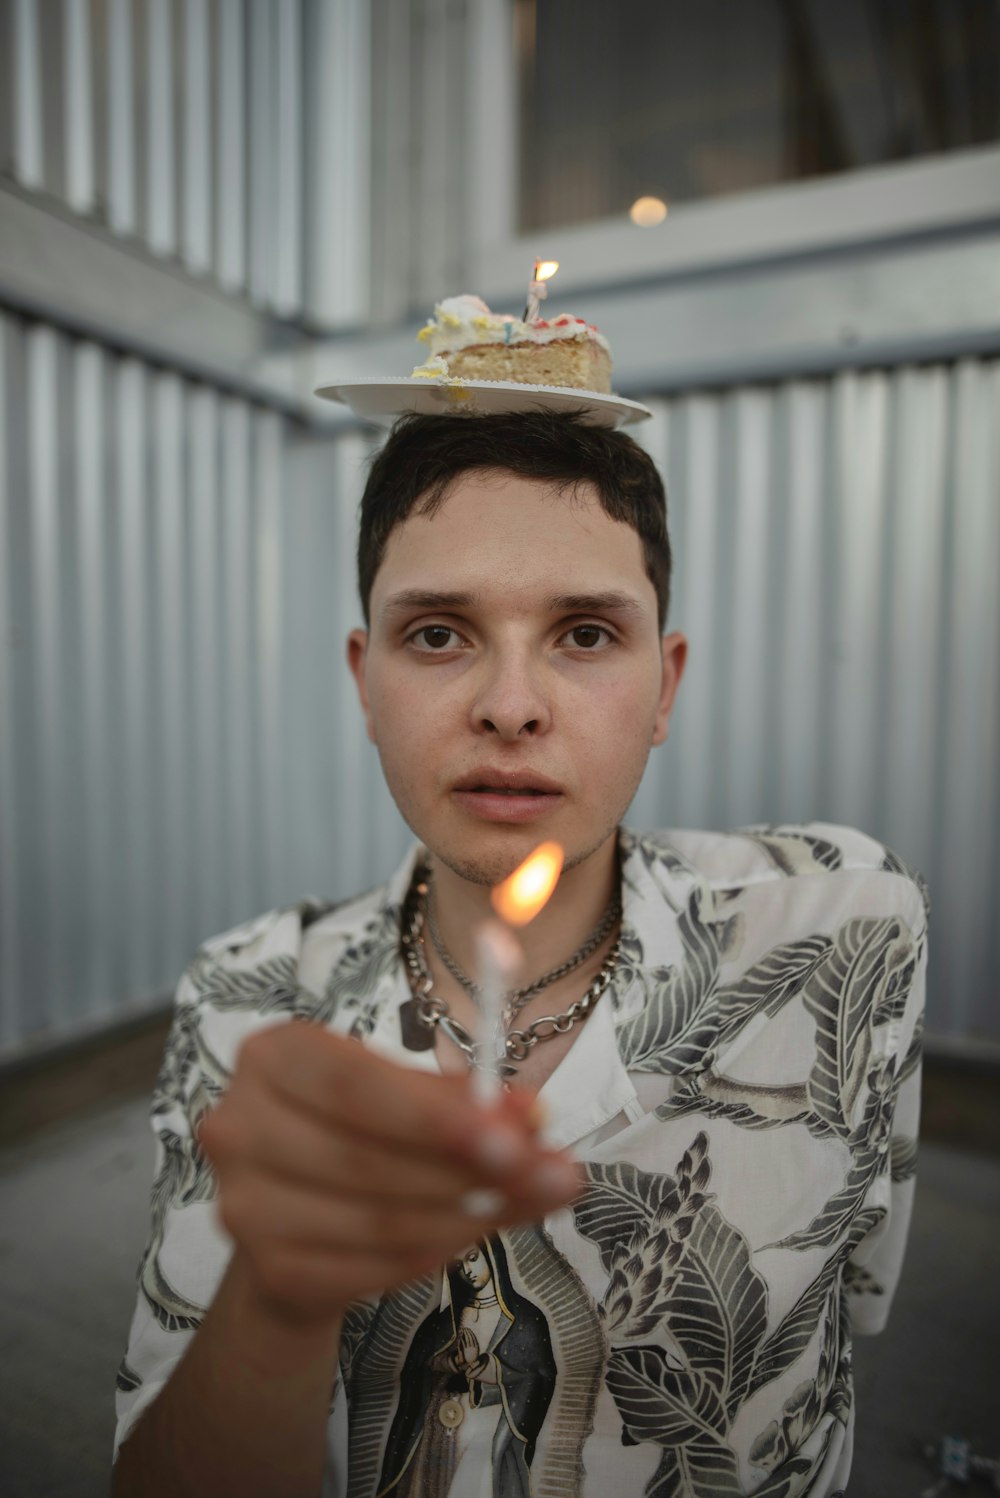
{"x":644,"y":1283}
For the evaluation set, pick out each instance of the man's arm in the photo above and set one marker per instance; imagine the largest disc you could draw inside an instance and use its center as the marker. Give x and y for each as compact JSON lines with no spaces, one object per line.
{"x":245,"y":1411}
{"x":340,"y":1175}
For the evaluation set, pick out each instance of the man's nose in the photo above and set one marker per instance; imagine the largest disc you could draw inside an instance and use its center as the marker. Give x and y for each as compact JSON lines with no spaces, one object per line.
{"x":512,"y":700}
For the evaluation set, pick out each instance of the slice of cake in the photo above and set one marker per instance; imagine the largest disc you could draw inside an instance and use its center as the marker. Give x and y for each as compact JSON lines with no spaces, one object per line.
{"x":465,"y":340}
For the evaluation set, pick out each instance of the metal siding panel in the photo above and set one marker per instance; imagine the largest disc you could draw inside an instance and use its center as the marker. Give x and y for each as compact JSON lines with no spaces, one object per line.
{"x":172,"y":672}
{"x":121,"y":141}
{"x":701,"y":623}
{"x":654,"y":793}
{"x":238,"y":654}
{"x":95,"y":991}
{"x":206,"y":538}
{"x":52,"y":52}
{"x":8,"y":91}
{"x":753,"y":537}
{"x":29,"y":149}
{"x":139,"y":914}
{"x":161,"y":211}
{"x":53,"y":626}
{"x":265,"y":726}
{"x":916,"y":525}
{"x":197,"y":136}
{"x":860,"y":410}
{"x":287,"y":205}
{"x":393,"y":179}
{"x":796,"y":733}
{"x":231,"y":222}
{"x":79,"y":106}
{"x":968,"y":865}
{"x":261,"y":153}
{"x":10,"y":809}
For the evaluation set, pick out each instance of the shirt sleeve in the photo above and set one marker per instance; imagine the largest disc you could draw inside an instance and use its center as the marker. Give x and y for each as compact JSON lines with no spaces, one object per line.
{"x":872,"y":1273}
{"x":186,"y":1250}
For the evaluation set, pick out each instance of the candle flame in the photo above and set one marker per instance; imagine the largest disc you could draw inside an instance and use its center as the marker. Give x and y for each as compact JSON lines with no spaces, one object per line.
{"x":521,"y":896}
{"x":545,"y":269}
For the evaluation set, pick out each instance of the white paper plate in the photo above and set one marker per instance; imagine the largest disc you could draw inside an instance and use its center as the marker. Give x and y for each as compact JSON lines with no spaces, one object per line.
{"x":381,"y":401}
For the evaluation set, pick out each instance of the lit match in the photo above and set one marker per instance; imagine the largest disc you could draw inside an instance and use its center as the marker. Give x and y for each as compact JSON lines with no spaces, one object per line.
{"x":516,"y":901}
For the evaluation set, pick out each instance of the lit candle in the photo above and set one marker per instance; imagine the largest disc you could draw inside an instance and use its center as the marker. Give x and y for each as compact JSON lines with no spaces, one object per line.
{"x":537,"y":289}
{"x":516,"y":901}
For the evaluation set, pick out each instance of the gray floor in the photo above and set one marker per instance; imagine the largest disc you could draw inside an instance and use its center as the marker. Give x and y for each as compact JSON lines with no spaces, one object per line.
{"x":73,"y":1222}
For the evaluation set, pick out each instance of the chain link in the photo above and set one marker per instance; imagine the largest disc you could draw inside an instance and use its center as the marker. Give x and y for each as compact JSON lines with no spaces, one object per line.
{"x":433,"y":1011}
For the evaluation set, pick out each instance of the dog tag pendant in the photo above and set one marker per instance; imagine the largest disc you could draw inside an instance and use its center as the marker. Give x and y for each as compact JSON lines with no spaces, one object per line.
{"x":416,"y":1034}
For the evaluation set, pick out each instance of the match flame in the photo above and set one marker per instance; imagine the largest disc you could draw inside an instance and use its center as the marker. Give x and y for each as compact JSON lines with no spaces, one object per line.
{"x":545,"y":269}
{"x":521,"y":896}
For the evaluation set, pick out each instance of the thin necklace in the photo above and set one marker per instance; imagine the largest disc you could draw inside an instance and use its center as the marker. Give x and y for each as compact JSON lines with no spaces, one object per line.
{"x":518,"y":997}
{"x":433,"y":1011}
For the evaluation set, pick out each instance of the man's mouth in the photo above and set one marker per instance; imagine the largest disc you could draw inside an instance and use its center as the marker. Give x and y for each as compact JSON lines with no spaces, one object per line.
{"x":496,"y":790}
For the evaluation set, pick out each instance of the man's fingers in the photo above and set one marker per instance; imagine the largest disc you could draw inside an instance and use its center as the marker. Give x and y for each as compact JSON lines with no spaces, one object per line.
{"x":291,"y":1143}
{"x":279,"y":1216}
{"x":348,"y":1086}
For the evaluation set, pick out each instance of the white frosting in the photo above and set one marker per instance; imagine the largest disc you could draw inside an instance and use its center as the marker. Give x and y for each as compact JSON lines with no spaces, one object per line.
{"x":463,"y":321}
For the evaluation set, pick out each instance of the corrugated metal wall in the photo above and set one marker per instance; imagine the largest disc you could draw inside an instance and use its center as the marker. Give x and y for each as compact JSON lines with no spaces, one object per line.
{"x":180,"y":743}
{"x":140,"y":677}
{"x":137,"y":113}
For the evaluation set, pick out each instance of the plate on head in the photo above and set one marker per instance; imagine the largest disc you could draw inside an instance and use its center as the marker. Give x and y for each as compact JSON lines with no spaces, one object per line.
{"x":382,"y":401}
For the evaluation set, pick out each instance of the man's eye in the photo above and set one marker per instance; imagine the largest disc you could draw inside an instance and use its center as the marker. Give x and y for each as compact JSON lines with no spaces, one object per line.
{"x":588,"y":636}
{"x":434,"y":636}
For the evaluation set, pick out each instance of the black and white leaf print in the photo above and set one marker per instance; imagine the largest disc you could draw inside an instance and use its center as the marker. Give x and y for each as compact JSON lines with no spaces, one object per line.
{"x":794,"y":1332}
{"x":843,"y":1208}
{"x":785,"y":1104}
{"x":911,"y":1061}
{"x":788,"y":1480}
{"x":676,"y":1029}
{"x":659,"y":859}
{"x":358,"y":973}
{"x":269,"y":988}
{"x":643,"y":1272}
{"x":869,"y":960}
{"x":718,"y":1313}
{"x":903,"y":1157}
{"x":795,"y":851}
{"x":619,"y":1202}
{"x":680,"y":1411}
{"x":126,"y":1379}
{"x":766,"y":987}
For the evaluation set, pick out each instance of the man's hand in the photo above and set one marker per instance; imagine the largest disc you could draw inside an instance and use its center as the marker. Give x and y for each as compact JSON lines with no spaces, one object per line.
{"x":341,"y":1173}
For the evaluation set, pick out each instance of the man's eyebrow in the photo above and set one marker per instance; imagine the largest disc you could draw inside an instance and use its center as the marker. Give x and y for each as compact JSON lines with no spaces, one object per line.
{"x":556,"y":603}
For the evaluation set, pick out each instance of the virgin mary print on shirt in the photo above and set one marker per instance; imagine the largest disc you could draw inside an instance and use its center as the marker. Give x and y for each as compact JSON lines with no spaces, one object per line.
{"x":482,"y":1377}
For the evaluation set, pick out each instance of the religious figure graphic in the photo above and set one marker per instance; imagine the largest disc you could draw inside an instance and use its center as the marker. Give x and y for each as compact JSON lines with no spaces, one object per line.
{"x":475,"y":1388}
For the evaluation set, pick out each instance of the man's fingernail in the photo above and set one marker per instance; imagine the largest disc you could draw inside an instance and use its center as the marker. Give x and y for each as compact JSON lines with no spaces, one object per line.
{"x":498,"y":1149}
{"x":482,"y":1203}
{"x":553,"y":1180}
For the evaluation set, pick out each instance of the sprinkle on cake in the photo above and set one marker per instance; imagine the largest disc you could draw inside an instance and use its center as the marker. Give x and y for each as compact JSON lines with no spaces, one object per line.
{"x":465,"y":340}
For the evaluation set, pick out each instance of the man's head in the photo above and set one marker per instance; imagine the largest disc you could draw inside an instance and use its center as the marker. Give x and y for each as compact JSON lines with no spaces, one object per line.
{"x":515,"y":630}
{"x":425,"y":455}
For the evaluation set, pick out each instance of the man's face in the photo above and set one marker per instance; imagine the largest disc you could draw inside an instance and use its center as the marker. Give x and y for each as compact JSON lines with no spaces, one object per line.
{"x":513,"y":632}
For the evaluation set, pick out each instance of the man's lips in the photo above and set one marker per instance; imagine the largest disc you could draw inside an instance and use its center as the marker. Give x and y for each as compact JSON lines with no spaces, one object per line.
{"x":507,"y":806}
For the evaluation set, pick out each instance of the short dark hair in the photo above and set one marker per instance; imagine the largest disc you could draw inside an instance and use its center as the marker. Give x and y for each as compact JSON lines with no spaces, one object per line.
{"x":423,"y":455}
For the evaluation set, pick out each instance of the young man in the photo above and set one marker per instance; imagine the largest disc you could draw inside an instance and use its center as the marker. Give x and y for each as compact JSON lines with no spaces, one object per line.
{"x":645,"y":1282}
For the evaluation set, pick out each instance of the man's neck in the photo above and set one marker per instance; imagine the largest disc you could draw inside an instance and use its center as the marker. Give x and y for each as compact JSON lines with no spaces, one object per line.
{"x":561,"y":927}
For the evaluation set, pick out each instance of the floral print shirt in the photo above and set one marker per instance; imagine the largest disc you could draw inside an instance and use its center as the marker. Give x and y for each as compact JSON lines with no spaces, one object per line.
{"x":744,"y":1100}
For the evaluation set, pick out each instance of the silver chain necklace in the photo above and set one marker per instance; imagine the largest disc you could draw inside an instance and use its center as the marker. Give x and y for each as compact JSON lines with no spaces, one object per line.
{"x":518,"y":997}
{"x":433,"y":1011}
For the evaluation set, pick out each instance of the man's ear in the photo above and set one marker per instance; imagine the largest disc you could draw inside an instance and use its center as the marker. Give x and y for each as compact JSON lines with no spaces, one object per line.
{"x":674,"y":659}
{"x":357,"y":654}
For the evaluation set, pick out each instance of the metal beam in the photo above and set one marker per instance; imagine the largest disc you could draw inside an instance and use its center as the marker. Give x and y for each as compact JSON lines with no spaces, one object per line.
{"x":74,"y":275}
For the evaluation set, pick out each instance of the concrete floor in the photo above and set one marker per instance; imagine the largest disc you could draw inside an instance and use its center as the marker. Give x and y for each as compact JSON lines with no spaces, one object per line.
{"x":73,"y":1202}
